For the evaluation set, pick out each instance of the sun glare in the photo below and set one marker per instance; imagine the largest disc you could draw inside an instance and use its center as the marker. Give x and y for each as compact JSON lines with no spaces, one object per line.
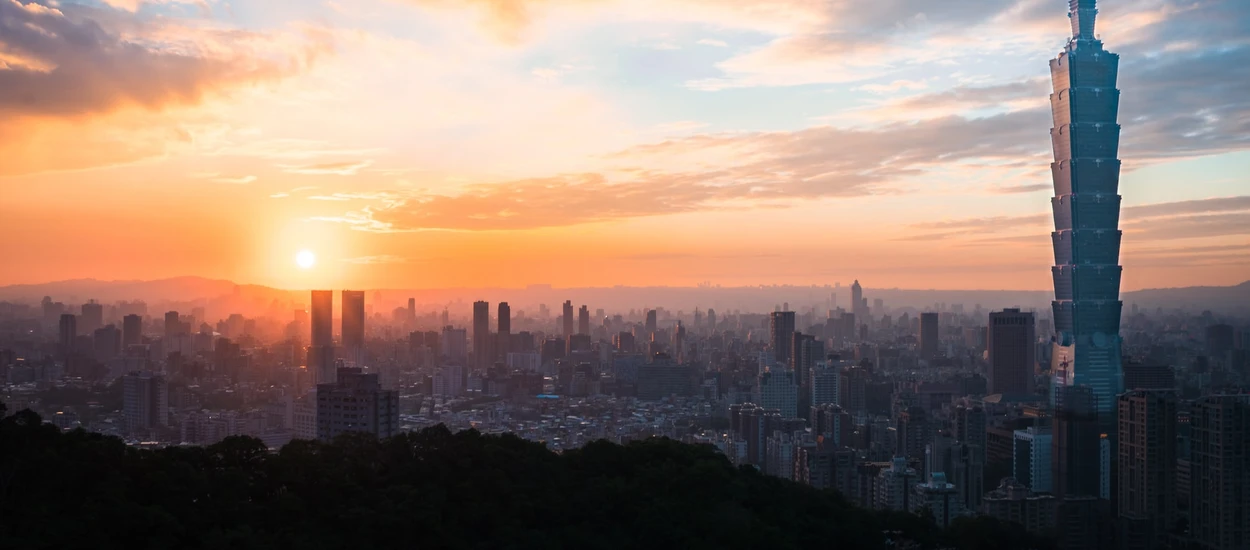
{"x":305,"y":259}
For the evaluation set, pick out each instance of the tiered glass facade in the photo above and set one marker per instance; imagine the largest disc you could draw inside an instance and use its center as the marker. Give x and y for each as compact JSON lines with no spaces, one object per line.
{"x":1086,"y":173}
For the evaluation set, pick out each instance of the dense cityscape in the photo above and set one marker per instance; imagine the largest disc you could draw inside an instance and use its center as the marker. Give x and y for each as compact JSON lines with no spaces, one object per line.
{"x":1099,"y":421}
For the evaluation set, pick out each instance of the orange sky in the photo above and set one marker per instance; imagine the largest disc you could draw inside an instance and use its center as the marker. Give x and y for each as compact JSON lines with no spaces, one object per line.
{"x":425,"y":143}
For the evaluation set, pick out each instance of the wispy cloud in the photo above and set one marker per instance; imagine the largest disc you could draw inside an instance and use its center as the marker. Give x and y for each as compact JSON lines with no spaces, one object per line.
{"x":379,"y":259}
{"x":349,"y":168}
{"x":713,"y":42}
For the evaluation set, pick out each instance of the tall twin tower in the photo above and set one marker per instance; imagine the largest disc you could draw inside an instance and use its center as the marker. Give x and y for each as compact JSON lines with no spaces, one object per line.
{"x":1086,"y":205}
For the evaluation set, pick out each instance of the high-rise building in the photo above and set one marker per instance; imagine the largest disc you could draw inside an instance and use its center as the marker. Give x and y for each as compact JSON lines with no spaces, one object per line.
{"x":1031,"y":456}
{"x":781,"y":335}
{"x":412,"y":310}
{"x":1086,"y":206}
{"x":1076,"y":441}
{"x":778,"y":390}
{"x":1012,"y":347}
{"x":824,"y":386}
{"x":1219,"y":504}
{"x":173,"y":325}
{"x":1146,"y":498}
{"x":583,"y":320}
{"x":928,"y":336}
{"x":321,"y":341}
{"x":858,"y":304}
{"x":567,"y":319}
{"x":354,"y":325}
{"x":895,"y":485}
{"x":356,"y":402}
{"x":939,"y":498}
{"x":145,"y":402}
{"x":92,"y":317}
{"x":481,"y":335}
{"x":107,"y":342}
{"x":1014,"y":502}
{"x":1140,"y":376}
{"x":651,"y":325}
{"x":67,"y":332}
{"x":915,"y":431}
{"x":132,"y":330}
{"x":504,"y":336}
{"x":711,"y":319}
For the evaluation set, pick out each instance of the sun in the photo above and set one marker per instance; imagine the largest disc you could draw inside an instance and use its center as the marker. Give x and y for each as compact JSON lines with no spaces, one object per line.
{"x":305,"y":259}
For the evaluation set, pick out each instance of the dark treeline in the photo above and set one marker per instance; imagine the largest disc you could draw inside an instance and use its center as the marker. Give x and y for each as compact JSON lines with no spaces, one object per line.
{"x":427,"y":489}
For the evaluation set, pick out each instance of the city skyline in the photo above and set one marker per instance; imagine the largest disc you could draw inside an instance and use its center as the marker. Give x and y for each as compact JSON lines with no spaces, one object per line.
{"x":668,"y":144}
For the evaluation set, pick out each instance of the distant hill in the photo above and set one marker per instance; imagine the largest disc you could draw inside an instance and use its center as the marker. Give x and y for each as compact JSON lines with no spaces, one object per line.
{"x":223,"y":297}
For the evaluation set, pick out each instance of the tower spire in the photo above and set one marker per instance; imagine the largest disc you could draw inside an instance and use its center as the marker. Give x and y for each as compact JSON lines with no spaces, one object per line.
{"x":1082,"y":13}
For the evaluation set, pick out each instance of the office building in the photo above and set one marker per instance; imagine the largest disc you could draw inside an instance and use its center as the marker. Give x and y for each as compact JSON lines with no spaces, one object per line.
{"x":1031,"y":456}
{"x":651,"y":324}
{"x":1076,"y":444}
{"x":356,"y":402}
{"x":583,"y":320}
{"x":778,"y":390}
{"x":67,"y":333}
{"x":1086,"y":206}
{"x":1146,"y":498}
{"x":173,"y":325}
{"x":915,"y":432}
{"x":566,"y":319}
{"x":107,"y":343}
{"x":1012,"y":349}
{"x":92,"y":317}
{"x":454,"y":343}
{"x":482,"y":357}
{"x":354,"y":325}
{"x":132,"y":330}
{"x":781,"y":335}
{"x":504,"y":337}
{"x":662,"y":378}
{"x":145,"y":403}
{"x":824,"y":385}
{"x":321,"y":341}
{"x":1219,"y":504}
{"x":929,"y":336}
{"x":859,"y":305}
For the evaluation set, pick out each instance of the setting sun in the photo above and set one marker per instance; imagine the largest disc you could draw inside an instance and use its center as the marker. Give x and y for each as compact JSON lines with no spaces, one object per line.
{"x":305,"y":259}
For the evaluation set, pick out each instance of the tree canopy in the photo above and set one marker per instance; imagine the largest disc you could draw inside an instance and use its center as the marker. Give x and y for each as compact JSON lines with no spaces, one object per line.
{"x":427,"y":489}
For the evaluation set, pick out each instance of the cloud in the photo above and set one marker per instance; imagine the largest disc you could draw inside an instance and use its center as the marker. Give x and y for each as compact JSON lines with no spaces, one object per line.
{"x":72,"y":65}
{"x":709,"y":171}
{"x":713,"y":43}
{"x":331,"y":168}
{"x":381,"y":259}
{"x":82,"y":87}
{"x":1022,"y":188}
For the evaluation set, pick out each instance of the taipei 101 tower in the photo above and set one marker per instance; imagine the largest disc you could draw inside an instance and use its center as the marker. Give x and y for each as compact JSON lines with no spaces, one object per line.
{"x":1086,"y":205}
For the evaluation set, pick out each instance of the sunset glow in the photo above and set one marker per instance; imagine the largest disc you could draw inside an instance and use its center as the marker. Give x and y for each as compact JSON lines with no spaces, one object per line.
{"x":432,"y":144}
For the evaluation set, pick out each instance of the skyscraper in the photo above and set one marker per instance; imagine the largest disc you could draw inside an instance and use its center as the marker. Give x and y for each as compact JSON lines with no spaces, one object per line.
{"x":145,"y":402}
{"x":1146,"y":497}
{"x":504,"y":337}
{"x":1086,"y":206}
{"x":928,"y":336}
{"x":651,"y":322}
{"x":568,"y":319}
{"x":321,"y":342}
{"x":781,"y":335}
{"x":68,"y":331}
{"x":132,"y":330}
{"x":857,"y":298}
{"x":173,"y":325}
{"x":92,"y":317}
{"x":1219,"y":507}
{"x":1075,"y":443}
{"x":583,"y":320}
{"x":1012,"y":345}
{"x":354,"y":324}
{"x":481,"y":335}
